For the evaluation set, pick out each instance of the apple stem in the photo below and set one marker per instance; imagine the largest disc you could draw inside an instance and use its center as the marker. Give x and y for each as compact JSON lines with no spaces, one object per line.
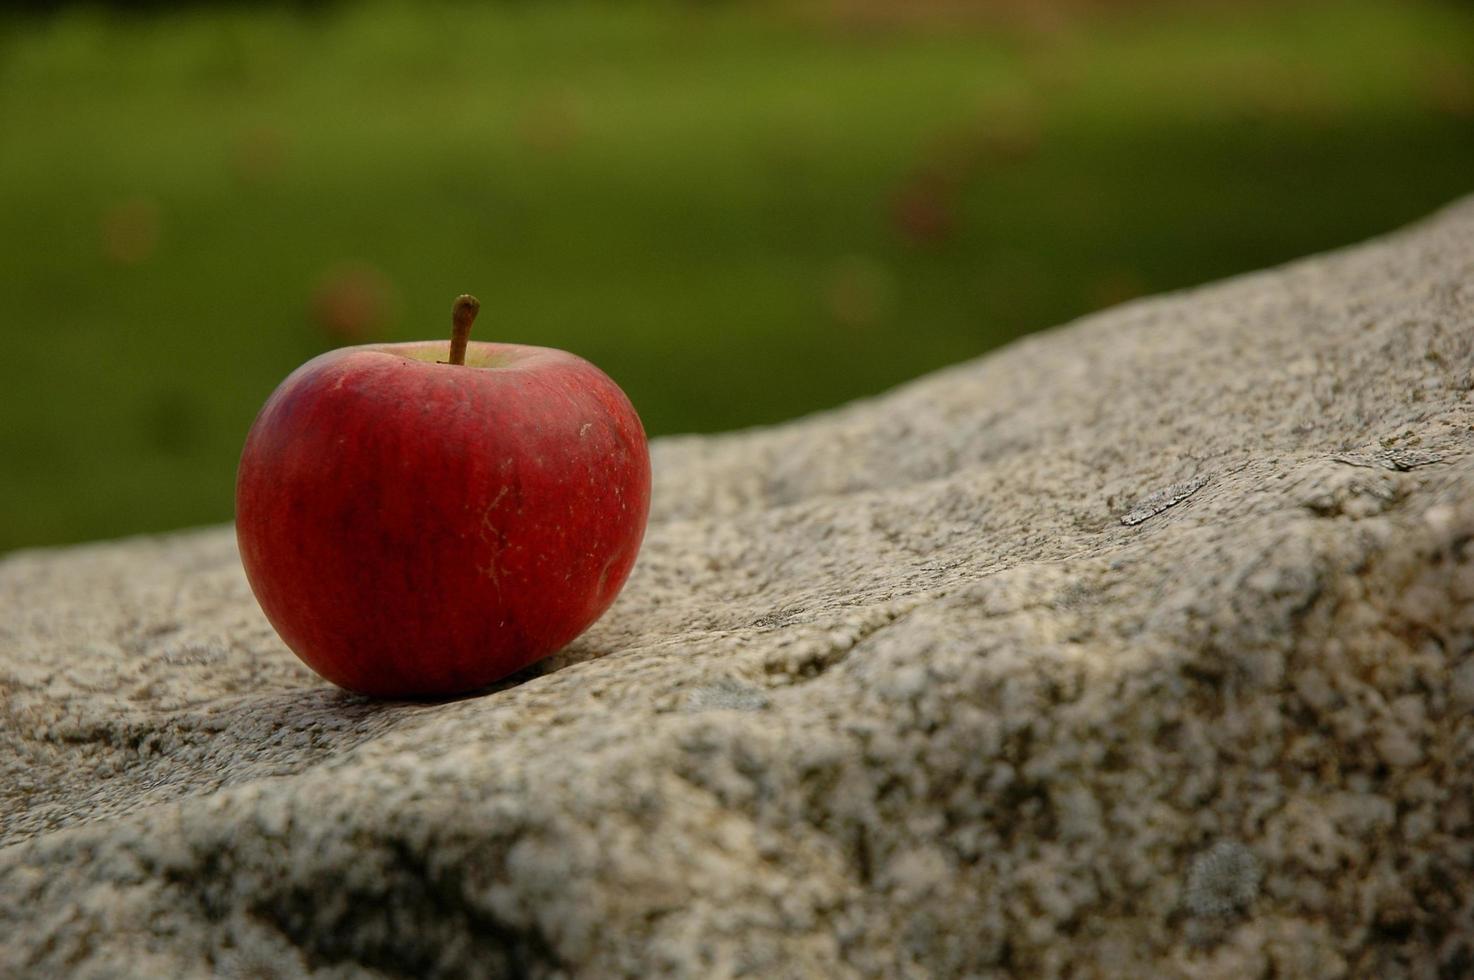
{"x":462,"y":315}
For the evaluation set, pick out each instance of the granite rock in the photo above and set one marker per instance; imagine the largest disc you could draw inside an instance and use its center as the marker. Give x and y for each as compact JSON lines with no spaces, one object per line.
{"x":1138,"y":648}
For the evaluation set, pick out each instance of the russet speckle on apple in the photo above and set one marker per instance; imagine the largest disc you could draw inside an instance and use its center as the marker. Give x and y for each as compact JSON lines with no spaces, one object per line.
{"x":422,"y":519}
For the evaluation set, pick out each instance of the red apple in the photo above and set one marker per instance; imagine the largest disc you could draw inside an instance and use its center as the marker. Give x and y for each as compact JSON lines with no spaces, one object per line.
{"x":419,"y":524}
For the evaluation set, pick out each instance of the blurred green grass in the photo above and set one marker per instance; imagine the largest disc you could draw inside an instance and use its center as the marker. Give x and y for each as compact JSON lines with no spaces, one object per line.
{"x":741,"y":213}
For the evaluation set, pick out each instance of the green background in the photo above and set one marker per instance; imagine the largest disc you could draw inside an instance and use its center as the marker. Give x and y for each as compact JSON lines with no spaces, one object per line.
{"x":741,"y":212}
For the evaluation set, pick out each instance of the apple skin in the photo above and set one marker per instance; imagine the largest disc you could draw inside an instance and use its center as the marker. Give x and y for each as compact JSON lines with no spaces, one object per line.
{"x":416,"y":529}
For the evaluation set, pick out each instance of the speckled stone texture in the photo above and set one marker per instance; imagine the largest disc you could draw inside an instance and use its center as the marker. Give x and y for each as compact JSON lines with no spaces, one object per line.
{"x":1140,"y":648}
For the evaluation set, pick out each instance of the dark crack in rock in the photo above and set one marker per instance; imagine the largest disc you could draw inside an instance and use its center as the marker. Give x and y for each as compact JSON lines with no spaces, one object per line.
{"x":1154,"y":503}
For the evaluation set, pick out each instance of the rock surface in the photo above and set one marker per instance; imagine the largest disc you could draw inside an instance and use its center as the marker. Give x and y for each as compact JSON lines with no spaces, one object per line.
{"x":1138,"y":648}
